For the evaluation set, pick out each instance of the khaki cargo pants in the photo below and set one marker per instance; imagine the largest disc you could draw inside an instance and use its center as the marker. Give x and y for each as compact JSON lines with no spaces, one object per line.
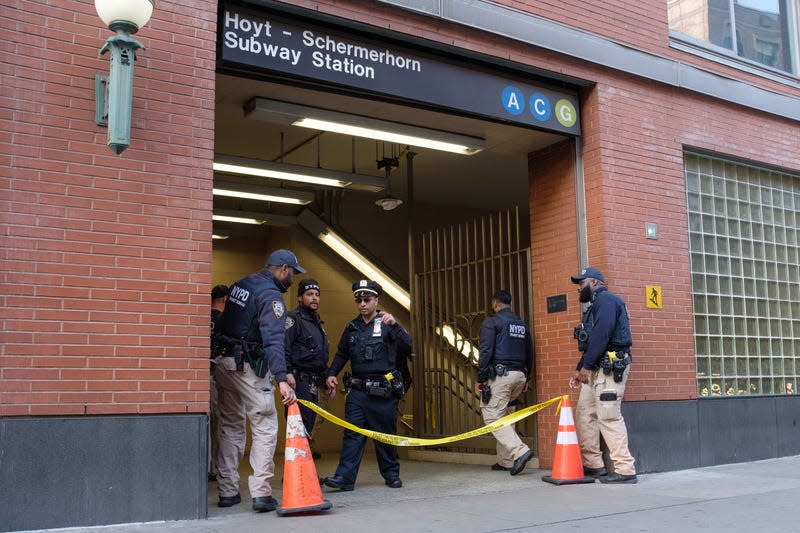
{"x":594,"y":417}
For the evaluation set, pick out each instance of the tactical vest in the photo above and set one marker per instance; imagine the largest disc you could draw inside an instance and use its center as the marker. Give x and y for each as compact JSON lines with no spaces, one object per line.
{"x":370,"y":353}
{"x":510,"y":334}
{"x":240,"y":319}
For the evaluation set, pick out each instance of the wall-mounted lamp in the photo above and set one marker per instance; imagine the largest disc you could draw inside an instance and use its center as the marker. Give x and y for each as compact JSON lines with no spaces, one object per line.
{"x":283,"y":171}
{"x":249,"y":217}
{"x":220,"y":235}
{"x":317,"y":227}
{"x":114,"y":94}
{"x":359,"y":126}
{"x":264,"y":194}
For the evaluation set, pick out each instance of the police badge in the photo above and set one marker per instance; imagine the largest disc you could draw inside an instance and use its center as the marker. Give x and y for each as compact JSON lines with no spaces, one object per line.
{"x":277,"y":308}
{"x":289,"y":323}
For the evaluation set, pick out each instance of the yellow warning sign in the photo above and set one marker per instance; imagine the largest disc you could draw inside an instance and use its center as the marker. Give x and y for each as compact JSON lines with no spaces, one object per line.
{"x":654,"y":297}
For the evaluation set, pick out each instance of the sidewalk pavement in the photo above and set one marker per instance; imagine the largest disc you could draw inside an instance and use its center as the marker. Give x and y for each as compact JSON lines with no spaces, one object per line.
{"x":438,"y":497}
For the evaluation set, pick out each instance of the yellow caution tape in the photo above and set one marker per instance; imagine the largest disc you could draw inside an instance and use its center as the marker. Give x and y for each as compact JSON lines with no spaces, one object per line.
{"x":398,"y":440}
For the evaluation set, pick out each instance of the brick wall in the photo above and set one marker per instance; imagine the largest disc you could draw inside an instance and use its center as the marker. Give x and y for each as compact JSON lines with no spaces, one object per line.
{"x":105,"y":259}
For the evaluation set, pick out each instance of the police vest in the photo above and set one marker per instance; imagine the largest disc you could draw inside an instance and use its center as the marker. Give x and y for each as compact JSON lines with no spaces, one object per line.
{"x":510,"y":339}
{"x":240,"y":320}
{"x":621,"y":337}
{"x":370,"y":353}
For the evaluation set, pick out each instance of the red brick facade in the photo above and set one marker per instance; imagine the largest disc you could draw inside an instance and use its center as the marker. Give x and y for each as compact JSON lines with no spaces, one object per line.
{"x":106,"y":259}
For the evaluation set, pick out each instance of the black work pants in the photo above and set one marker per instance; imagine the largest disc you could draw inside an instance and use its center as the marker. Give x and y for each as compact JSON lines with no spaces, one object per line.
{"x":377,"y":414}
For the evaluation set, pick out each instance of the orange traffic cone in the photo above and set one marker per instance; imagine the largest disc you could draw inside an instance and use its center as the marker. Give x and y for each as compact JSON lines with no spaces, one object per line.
{"x":301,"y":490}
{"x":567,"y":464}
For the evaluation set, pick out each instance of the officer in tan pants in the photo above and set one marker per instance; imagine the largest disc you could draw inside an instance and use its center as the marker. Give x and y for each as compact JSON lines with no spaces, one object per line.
{"x":604,"y":337}
{"x":249,"y":353}
{"x":506,"y":359}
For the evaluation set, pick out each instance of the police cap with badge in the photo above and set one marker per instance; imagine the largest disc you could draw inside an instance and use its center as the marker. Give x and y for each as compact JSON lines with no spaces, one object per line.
{"x":366,"y":287}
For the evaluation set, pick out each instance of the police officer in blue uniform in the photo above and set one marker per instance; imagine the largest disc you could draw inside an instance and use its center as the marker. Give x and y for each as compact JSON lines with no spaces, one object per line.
{"x":604,"y":337}
{"x":372,"y":343}
{"x":249,"y":352}
{"x":505,"y":363}
{"x":307,"y":350}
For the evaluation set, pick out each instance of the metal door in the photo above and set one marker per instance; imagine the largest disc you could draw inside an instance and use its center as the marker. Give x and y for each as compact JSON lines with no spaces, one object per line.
{"x":460,"y":267}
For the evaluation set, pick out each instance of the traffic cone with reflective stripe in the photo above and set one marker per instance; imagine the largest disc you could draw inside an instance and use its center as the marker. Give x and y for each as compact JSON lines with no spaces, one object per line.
{"x":301,"y":490}
{"x":567,"y":464}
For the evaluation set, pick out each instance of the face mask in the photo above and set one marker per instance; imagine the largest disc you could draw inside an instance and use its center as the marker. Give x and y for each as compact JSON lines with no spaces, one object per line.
{"x":585,"y":294}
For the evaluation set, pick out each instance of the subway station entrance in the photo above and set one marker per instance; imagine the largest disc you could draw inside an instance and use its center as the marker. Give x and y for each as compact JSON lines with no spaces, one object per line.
{"x":440,"y":216}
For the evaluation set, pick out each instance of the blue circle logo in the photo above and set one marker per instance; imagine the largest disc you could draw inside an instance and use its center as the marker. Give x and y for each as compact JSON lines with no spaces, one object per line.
{"x":513,"y":100}
{"x":540,"y":107}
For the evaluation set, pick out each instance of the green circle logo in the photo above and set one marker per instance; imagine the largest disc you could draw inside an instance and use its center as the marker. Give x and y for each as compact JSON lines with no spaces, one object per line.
{"x":565,"y":113}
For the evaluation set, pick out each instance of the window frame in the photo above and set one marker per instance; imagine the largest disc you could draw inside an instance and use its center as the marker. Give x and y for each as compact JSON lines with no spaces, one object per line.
{"x":719,"y":54}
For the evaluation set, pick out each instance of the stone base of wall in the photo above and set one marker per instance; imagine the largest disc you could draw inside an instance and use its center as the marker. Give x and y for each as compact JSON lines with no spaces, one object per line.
{"x":87,"y":471}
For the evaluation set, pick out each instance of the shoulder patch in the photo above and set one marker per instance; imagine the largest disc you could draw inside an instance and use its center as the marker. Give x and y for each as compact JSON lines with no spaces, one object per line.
{"x":277,"y":308}
{"x":289,"y":322}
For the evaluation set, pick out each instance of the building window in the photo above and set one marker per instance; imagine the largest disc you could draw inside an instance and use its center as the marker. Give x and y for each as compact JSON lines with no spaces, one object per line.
{"x":744,"y":244}
{"x":762,"y":31}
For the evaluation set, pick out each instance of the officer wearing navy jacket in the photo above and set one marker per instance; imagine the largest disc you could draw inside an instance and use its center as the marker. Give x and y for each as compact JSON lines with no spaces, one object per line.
{"x":249,"y":352}
{"x":604,"y":337}
{"x":307,"y":351}
{"x":372,"y":343}
{"x":505,"y":363}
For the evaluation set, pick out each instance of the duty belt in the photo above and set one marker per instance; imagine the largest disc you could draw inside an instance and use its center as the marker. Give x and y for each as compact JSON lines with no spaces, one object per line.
{"x":308,"y":376}
{"x":363,"y":383}
{"x":380,"y":387}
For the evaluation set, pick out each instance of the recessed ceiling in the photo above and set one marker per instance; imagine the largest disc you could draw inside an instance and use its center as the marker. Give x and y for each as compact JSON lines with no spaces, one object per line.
{"x":493,"y":179}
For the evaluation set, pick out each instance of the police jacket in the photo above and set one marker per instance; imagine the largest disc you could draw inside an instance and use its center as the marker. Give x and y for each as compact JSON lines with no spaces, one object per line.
{"x":255,"y":314}
{"x":370,"y":347}
{"x":608,"y":326}
{"x":505,"y":339}
{"x":305,"y":341}
{"x":215,"y":314}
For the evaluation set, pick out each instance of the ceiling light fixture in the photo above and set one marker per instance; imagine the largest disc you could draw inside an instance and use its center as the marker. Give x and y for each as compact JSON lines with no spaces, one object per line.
{"x":387,"y":203}
{"x":264,"y":194}
{"x":317,"y":227}
{"x":248,"y":217}
{"x":360,"y":126}
{"x":284,"y":171}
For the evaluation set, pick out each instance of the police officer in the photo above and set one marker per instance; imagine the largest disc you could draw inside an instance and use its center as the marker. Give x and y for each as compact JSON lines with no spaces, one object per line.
{"x":505,"y":363}
{"x":372,"y":343}
{"x":219,"y":295}
{"x":604,"y":337}
{"x":249,"y":353}
{"x":306,"y":350}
